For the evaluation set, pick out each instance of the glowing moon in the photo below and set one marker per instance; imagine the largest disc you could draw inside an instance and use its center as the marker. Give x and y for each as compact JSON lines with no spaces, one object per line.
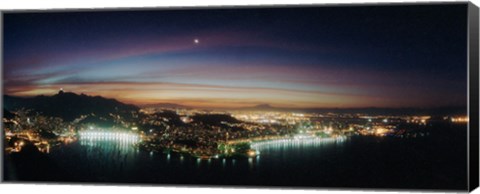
{"x":196,"y":41}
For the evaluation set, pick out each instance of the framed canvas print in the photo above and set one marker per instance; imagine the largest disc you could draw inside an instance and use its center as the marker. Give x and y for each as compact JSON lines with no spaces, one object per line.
{"x":373,"y":96}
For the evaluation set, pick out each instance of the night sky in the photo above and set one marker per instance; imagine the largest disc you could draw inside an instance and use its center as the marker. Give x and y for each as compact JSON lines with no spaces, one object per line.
{"x":396,"y":56}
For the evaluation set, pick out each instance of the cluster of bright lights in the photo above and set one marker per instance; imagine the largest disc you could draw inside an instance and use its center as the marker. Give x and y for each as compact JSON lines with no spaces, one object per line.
{"x":299,"y":140}
{"x":269,"y":117}
{"x":109,"y":136}
{"x":459,"y":119}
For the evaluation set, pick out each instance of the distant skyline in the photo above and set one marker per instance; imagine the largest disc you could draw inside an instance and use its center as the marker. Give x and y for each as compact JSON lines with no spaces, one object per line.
{"x":346,"y":57}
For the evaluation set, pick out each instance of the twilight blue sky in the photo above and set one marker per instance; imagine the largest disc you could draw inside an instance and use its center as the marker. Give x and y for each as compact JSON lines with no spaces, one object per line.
{"x":396,"y":56}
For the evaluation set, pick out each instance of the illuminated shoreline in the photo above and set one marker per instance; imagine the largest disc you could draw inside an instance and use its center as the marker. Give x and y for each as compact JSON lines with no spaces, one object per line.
{"x":298,"y":140}
{"x":109,"y":136}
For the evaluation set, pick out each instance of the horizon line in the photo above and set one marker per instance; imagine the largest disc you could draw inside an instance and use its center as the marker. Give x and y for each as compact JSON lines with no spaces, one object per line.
{"x":142,"y":105}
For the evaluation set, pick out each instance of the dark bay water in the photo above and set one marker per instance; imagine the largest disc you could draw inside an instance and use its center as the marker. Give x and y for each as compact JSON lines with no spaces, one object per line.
{"x":434,"y":162}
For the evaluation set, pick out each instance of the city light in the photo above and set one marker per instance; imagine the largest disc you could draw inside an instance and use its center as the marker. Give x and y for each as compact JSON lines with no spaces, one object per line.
{"x":252,"y":153}
{"x":109,"y":136}
{"x":295,"y":141}
{"x":459,"y":119}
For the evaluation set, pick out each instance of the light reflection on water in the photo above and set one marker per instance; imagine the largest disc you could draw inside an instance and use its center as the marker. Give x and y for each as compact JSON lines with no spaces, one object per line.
{"x":314,"y":163}
{"x":117,"y":154}
{"x":295,"y":142}
{"x":108,"y":152}
{"x":119,"y":136}
{"x":118,"y":149}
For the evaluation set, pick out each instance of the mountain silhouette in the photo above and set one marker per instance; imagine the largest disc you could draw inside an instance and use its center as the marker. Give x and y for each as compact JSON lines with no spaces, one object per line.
{"x":69,"y":106}
{"x":7,"y":114}
{"x":263,"y":106}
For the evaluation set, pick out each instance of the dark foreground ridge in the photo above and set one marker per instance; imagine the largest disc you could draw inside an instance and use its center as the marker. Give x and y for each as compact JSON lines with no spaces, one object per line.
{"x":69,"y":106}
